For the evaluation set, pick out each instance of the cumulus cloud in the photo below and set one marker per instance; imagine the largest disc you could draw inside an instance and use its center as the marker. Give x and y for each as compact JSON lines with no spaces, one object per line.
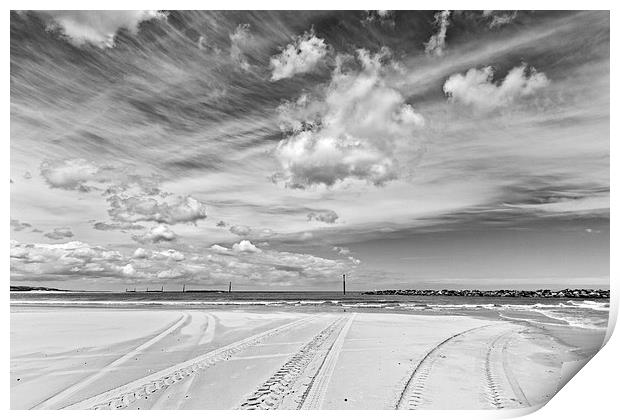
{"x":71,"y":174}
{"x":78,"y":260}
{"x":159,"y":233}
{"x":325,"y":216}
{"x":245,"y":246}
{"x":301,"y":56}
{"x":218,"y":248}
{"x":59,"y":233}
{"x":169,"y":253}
{"x":436,"y":44}
{"x":240,"y":230}
{"x":128,"y":271}
{"x":161,"y":208}
{"x":141,"y":253}
{"x":342,"y":250}
{"x":477,"y":88}
{"x":351,"y":132}
{"x":65,"y":259}
{"x":98,"y":27}
{"x":354,"y":260}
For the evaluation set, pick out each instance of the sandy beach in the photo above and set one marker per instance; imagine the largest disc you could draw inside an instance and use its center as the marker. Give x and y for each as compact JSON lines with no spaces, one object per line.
{"x":109,"y":358}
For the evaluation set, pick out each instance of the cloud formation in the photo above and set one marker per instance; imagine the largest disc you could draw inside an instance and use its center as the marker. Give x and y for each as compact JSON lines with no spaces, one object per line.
{"x":78,"y":260}
{"x":351,"y":132}
{"x":436,"y":44}
{"x":499,"y":18}
{"x":477,"y":88}
{"x":342,"y":250}
{"x":245,"y":246}
{"x":240,"y":230}
{"x":117,"y":226}
{"x":325,"y":216}
{"x":59,"y":233}
{"x":161,"y":208}
{"x":159,"y":233}
{"x":70,"y":174}
{"x":301,"y":56}
{"x":239,"y":41}
{"x":19,"y":226}
{"x":98,"y":27}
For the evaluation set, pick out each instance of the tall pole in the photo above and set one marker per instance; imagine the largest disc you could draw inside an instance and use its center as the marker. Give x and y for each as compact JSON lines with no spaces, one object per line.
{"x":229,"y":286}
{"x":344,"y":284}
{"x":183,"y":288}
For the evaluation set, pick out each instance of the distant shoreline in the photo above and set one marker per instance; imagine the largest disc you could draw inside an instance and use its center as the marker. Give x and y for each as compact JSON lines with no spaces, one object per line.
{"x":502,"y":293}
{"x":540,"y":293}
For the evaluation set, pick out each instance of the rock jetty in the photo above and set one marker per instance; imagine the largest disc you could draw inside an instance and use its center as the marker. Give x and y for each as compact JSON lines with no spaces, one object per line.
{"x":541,"y":293}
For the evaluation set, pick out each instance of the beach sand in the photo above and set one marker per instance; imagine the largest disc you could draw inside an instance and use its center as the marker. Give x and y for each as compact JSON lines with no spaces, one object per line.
{"x":102,"y":358}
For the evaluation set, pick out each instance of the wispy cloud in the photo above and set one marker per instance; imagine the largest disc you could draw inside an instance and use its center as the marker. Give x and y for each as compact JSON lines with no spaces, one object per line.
{"x":437,"y":43}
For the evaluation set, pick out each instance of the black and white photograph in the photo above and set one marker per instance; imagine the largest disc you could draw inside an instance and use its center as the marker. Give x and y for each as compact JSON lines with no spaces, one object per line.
{"x":306,"y":210}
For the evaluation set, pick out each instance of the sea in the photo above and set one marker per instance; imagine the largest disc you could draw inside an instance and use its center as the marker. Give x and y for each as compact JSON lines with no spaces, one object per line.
{"x":586,"y":314}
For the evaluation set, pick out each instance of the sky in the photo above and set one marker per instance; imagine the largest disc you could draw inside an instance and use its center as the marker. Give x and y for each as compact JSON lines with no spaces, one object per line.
{"x":279,"y":150}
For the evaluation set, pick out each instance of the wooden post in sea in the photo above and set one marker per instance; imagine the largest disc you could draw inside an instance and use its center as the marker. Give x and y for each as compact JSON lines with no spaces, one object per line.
{"x":344,"y":284}
{"x":162,"y":289}
{"x":183,"y":288}
{"x":229,"y":286}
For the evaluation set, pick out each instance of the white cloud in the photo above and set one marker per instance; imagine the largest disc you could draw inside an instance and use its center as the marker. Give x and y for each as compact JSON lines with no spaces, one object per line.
{"x":78,"y":260}
{"x":301,"y":56}
{"x":245,"y":246}
{"x":477,"y":88}
{"x":342,"y":250}
{"x":128,"y":270}
{"x":161,"y":208}
{"x":325,"y":216}
{"x":351,"y":133}
{"x":65,"y":259}
{"x":140,"y":253}
{"x":170,"y":253}
{"x":71,"y":174}
{"x":59,"y":233}
{"x":159,"y":233}
{"x":436,"y":44}
{"x":98,"y":27}
{"x":240,"y":230}
{"x":218,"y":248}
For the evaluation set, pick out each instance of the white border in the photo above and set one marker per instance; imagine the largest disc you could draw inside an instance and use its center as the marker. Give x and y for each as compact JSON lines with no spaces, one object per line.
{"x":593,"y":392}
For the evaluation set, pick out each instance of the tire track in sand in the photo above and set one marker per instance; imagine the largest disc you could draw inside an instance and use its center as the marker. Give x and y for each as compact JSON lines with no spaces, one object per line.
{"x":270,"y":393}
{"x":413,"y":392}
{"x":498,"y":374}
{"x":122,"y":396}
{"x":181,"y":392}
{"x":314,"y":396}
{"x":58,"y":398}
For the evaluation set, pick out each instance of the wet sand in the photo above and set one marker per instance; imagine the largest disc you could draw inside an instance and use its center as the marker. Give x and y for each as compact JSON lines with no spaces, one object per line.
{"x":109,"y":358}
